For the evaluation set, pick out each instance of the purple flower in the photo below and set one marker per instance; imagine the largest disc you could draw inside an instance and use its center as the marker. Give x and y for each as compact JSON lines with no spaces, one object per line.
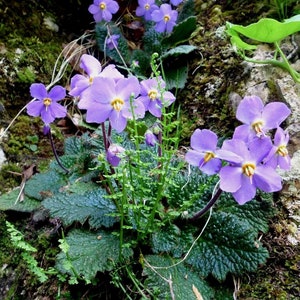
{"x":152,"y":98}
{"x":113,"y":154}
{"x":46,"y":104}
{"x":112,"y":41}
{"x":165,"y":18}
{"x":278,"y":155}
{"x":145,"y":8}
{"x":257,"y":118}
{"x":103,"y":9}
{"x":93,"y":69}
{"x":175,"y":2}
{"x":150,"y":138}
{"x":243,"y":178}
{"x":108,"y":99}
{"x":204,"y":153}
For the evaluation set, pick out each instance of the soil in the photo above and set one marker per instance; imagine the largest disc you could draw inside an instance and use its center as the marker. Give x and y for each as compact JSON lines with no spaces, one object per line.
{"x":29,"y":50}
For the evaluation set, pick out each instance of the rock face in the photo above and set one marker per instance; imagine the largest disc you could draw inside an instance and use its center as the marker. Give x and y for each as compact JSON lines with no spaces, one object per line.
{"x":2,"y":158}
{"x":273,"y":84}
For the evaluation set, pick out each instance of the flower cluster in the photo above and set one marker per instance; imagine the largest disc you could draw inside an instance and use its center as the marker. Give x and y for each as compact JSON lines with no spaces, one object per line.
{"x":251,"y":156}
{"x":105,"y":95}
{"x":245,"y":163}
{"x":165,"y":16}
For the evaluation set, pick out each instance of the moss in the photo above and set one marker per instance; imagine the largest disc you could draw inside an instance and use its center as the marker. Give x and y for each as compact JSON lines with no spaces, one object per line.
{"x":9,"y":174}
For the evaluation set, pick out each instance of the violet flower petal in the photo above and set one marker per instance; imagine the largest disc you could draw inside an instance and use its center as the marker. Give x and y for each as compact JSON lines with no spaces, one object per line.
{"x":230,"y":179}
{"x":204,"y":140}
{"x":57,"y":93}
{"x":38,"y":90}
{"x":34,"y":108}
{"x":249,"y":109}
{"x":274,"y":114}
{"x":266,"y":179}
{"x":246,"y":192}
{"x":90,"y":65}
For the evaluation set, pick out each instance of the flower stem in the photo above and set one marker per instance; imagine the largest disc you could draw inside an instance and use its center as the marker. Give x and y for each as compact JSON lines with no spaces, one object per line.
{"x":211,"y":202}
{"x":55,"y":153}
{"x":105,"y":142}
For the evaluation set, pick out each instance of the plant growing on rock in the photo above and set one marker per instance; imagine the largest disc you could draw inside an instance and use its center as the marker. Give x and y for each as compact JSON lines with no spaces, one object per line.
{"x":134,"y":206}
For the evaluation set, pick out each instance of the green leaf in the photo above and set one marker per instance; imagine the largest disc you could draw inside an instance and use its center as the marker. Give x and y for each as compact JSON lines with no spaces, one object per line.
{"x":268,"y":30}
{"x":44,"y":185}
{"x":92,"y":206}
{"x":180,"y":280}
{"x":8,"y":200}
{"x":256,"y":214}
{"x":181,"y":32}
{"x":90,"y":253}
{"x":228,"y":245}
{"x":152,"y":41}
{"x":172,"y":239}
{"x":176,"y":77}
{"x":179,"y":50}
{"x":237,"y":42}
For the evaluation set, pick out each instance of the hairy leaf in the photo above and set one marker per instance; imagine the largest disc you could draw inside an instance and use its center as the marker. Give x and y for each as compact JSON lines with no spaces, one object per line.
{"x":8,"y":202}
{"x":92,"y":206}
{"x":179,"y":280}
{"x":43,"y":185}
{"x":90,"y":253}
{"x":172,"y":239}
{"x":256,"y":214}
{"x":152,"y":41}
{"x":227,"y":245}
{"x":179,"y":50}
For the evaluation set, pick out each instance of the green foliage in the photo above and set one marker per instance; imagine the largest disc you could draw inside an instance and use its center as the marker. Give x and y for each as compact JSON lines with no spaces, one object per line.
{"x":266,"y":30}
{"x":8,"y":201}
{"x":91,"y":206}
{"x":167,"y":277}
{"x":153,"y":42}
{"x":147,"y":206}
{"x":181,"y":32}
{"x":227,"y":246}
{"x":17,"y":239}
{"x":88,"y":253}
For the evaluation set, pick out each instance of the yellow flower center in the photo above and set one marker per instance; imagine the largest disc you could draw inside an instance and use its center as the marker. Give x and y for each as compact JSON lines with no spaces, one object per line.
{"x":152,"y":94}
{"x":257,"y":127}
{"x":91,"y":80}
{"x":167,"y":18}
{"x":47,"y":101}
{"x":147,"y":6}
{"x":208,"y":156}
{"x":102,"y":5}
{"x":282,"y":150}
{"x":117,"y":104}
{"x":248,"y":169}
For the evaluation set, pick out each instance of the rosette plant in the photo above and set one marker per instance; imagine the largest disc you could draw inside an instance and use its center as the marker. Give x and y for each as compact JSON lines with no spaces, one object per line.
{"x":133,"y":208}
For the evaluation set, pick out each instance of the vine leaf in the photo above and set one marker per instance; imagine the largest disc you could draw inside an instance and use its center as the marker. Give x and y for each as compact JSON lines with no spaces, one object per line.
{"x":89,"y":253}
